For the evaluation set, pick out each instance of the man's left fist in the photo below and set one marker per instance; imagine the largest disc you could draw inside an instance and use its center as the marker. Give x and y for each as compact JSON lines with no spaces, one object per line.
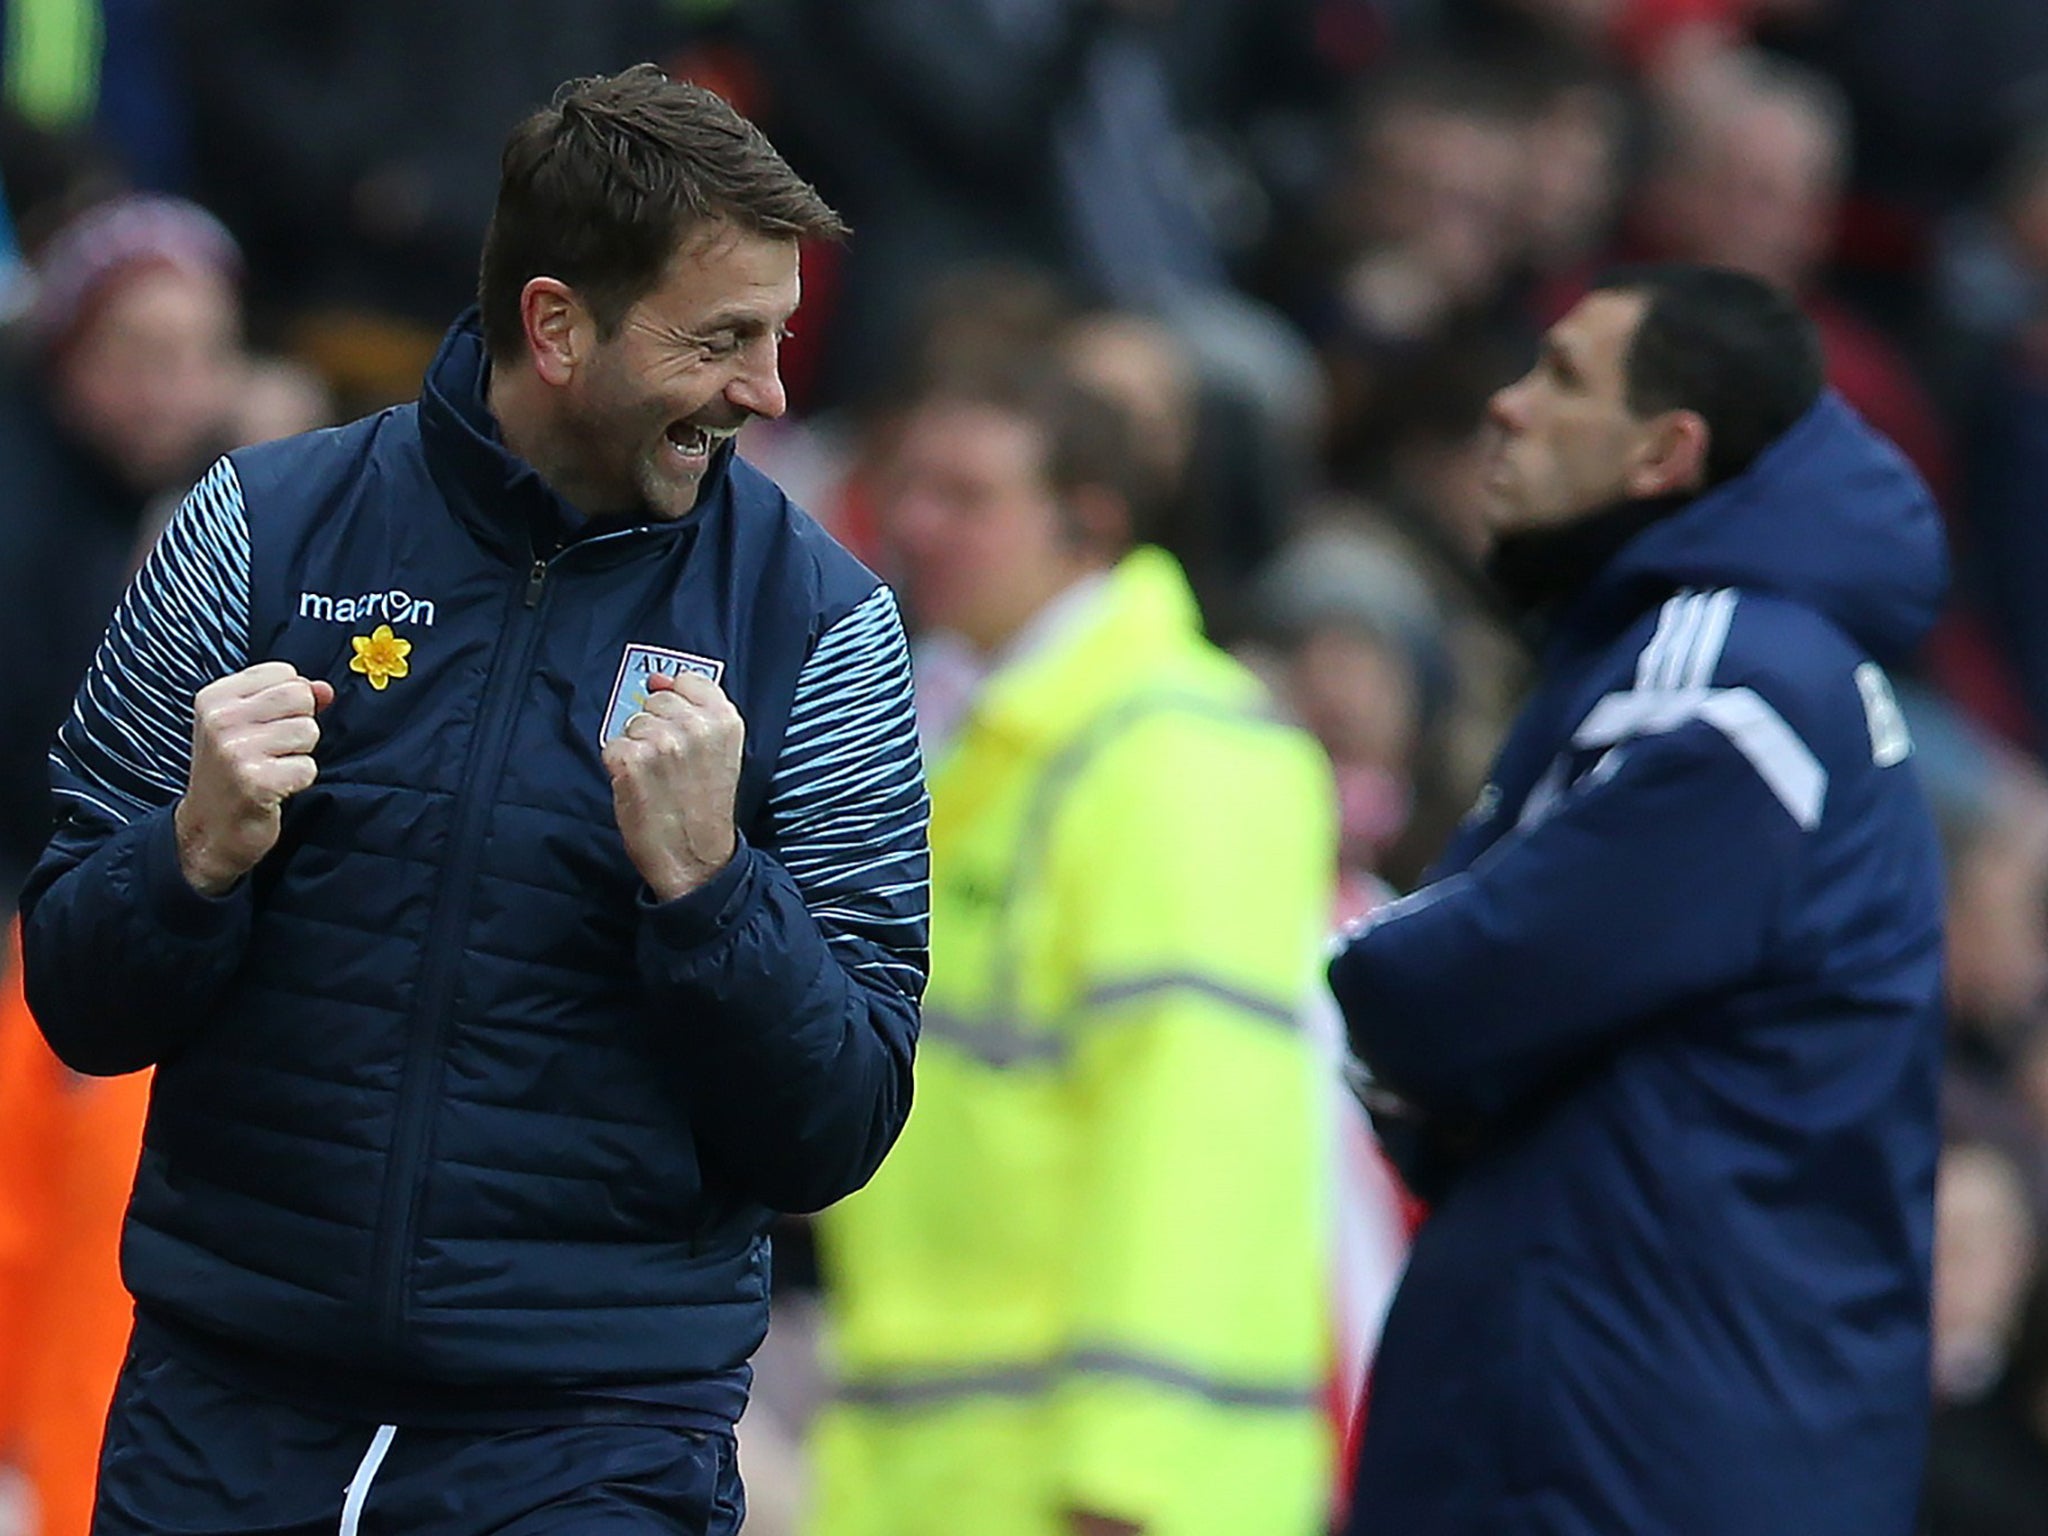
{"x":675,"y":780}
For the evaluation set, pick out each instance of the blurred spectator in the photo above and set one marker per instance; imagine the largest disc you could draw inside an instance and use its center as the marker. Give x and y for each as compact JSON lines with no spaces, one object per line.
{"x":1352,"y":639}
{"x":1987,"y":1471}
{"x":1577,"y":133}
{"x":1087,"y":1295}
{"x":128,"y":392}
{"x":1349,"y":637}
{"x":1997,"y":354}
{"x":970,"y":322}
{"x":1134,"y":361}
{"x":1749,"y":174}
{"x":1424,"y":467}
{"x":1937,"y":91}
{"x":1423,"y":227}
{"x":1060,"y":133}
{"x":1992,"y":277}
{"x":1750,"y":169}
{"x":1997,"y":925}
{"x":1212,"y":502}
{"x":1425,"y":453}
{"x":68,"y":1146}
{"x":1209,"y":490}
{"x":942,"y":168}
{"x":1990,"y":805}
{"x":1986,"y":1252}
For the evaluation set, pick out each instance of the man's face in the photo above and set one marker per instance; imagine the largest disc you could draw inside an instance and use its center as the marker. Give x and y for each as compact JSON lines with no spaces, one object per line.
{"x":1759,"y":191}
{"x":692,"y":362}
{"x":1447,"y":189}
{"x":1565,"y":440}
{"x":150,"y":381}
{"x":968,"y":512}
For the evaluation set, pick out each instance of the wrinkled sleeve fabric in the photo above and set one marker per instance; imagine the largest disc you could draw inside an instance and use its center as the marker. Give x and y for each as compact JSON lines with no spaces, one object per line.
{"x":123,"y":959}
{"x":795,"y":975}
{"x":1199,"y":878}
{"x":1660,"y":878}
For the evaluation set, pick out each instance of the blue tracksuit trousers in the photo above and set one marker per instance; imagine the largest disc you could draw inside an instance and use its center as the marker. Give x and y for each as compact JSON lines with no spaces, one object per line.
{"x":186,"y":1455}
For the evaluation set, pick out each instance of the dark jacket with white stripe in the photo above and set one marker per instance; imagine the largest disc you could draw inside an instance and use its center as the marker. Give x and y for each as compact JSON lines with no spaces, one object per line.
{"x":450,"y":1116}
{"x":1672,"y":1003}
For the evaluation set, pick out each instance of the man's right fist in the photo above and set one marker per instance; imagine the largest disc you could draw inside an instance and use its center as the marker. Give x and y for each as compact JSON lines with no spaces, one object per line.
{"x":253,"y":735}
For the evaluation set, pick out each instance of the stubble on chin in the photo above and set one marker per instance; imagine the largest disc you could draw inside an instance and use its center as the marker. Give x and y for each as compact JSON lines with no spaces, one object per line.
{"x":662,"y":496}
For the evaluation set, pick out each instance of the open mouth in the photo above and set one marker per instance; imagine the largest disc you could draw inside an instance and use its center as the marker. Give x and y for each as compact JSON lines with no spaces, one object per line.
{"x":694,"y":444}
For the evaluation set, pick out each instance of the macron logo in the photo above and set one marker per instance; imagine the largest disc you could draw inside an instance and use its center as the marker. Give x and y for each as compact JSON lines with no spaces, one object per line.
{"x":397,"y":606}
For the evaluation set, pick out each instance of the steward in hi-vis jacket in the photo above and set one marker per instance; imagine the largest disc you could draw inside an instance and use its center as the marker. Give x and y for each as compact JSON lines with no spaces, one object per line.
{"x":1092,"y":1279}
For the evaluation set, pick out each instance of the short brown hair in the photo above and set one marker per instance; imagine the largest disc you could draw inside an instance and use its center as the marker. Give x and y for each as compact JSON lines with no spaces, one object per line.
{"x":601,"y":186}
{"x":1087,"y":439}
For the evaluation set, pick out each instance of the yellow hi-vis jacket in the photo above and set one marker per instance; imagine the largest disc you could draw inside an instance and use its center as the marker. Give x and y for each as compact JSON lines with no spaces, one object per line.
{"x":1093,"y":1272}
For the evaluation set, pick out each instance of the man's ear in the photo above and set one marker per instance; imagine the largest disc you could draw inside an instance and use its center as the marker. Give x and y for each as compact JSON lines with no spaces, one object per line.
{"x":1672,"y":459}
{"x":559,"y":329}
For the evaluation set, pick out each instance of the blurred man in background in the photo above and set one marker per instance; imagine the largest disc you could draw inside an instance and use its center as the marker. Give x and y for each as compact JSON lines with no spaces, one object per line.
{"x":1750,"y":170}
{"x":1088,"y":1297}
{"x":1986,"y":1254}
{"x":1668,"y":1016}
{"x":1350,"y":637}
{"x":1423,"y":228}
{"x":1987,"y":1472}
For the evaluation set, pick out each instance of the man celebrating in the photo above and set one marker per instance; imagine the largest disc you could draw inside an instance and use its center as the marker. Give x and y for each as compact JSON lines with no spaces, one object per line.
{"x":500,"y":823}
{"x":1666,"y":1020}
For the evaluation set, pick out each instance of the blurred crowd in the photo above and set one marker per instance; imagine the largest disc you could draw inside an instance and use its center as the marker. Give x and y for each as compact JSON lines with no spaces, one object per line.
{"x":1299,"y":243}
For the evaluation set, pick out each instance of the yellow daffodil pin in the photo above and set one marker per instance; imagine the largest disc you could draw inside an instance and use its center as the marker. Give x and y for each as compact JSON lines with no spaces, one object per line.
{"x":380,"y":656}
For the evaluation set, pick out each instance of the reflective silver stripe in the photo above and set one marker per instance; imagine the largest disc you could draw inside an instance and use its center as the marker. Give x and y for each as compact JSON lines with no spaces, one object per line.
{"x":1111,"y":993}
{"x":998,"y":1038}
{"x":995,"y":1043}
{"x":923,"y":1390}
{"x":359,"y":1485}
{"x":1005,"y":1042}
{"x":1046,"y":800}
{"x":1176,"y":1378}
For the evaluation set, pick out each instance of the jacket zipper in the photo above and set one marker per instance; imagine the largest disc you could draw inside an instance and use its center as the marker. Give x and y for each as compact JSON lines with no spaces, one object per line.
{"x":427,"y":1028}
{"x":419,"y":1088}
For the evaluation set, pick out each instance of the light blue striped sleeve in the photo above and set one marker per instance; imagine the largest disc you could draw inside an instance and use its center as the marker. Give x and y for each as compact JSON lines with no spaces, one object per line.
{"x":847,"y":804}
{"x":183,"y":623}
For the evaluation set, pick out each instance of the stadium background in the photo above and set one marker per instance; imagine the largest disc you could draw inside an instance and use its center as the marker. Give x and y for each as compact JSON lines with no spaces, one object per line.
{"x":1300,"y":240}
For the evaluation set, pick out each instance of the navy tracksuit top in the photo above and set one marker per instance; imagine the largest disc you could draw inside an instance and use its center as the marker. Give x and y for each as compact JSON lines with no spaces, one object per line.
{"x":448,"y":1111}
{"x":1671,"y":1012}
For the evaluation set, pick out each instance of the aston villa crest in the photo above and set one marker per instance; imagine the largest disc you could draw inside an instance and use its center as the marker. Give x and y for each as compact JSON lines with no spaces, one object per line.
{"x":629,"y":693}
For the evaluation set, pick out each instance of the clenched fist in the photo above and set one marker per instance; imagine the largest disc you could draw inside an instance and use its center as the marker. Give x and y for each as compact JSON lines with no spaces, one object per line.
{"x":675,"y":780}
{"x":253,"y":735}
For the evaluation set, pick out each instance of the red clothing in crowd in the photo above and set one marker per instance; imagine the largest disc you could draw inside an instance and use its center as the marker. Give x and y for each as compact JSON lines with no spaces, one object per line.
{"x":68,"y":1146}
